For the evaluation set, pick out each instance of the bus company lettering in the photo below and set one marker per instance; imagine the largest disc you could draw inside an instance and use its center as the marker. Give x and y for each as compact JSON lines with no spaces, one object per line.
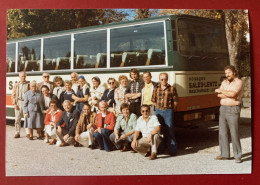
{"x":200,"y":84}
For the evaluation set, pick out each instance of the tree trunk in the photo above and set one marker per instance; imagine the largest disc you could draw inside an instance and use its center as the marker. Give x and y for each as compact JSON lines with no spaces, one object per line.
{"x":234,"y":34}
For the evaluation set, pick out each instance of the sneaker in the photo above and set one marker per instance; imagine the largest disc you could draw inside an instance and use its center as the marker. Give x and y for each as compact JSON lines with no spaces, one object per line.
{"x":46,"y":140}
{"x":28,"y":136}
{"x":17,"y":136}
{"x":221,"y":158}
{"x":238,"y":160}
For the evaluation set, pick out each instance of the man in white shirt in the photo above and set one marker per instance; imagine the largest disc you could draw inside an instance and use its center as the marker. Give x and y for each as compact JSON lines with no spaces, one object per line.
{"x":149,"y":126}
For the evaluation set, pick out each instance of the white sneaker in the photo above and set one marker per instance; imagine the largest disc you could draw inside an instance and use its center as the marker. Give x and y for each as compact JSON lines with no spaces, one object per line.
{"x":58,"y":143}
{"x":46,"y":140}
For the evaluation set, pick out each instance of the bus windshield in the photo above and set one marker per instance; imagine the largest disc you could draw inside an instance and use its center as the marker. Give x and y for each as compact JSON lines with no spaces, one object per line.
{"x":199,"y":38}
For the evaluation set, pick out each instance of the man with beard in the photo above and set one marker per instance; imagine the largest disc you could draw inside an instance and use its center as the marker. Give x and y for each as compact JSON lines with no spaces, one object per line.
{"x":230,"y":93}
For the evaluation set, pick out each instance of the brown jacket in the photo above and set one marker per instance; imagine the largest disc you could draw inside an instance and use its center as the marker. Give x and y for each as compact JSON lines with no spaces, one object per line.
{"x":81,"y":127}
{"x":39,"y":86}
{"x":15,"y":92}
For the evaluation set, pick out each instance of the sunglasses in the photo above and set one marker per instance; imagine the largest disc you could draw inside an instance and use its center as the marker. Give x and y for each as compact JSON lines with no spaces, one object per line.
{"x":145,"y":111}
{"x":111,"y":82}
{"x":163,"y":79}
{"x":46,"y":76}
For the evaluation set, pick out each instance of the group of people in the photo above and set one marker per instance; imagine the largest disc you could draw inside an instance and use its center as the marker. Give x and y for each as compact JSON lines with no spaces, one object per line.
{"x":136,"y":116}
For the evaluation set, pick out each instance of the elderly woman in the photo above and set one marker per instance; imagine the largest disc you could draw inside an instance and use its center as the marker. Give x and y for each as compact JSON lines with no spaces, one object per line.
{"x":59,"y":86}
{"x":124,"y":129}
{"x":120,"y":93}
{"x":52,"y":117}
{"x":105,"y":126}
{"x":33,"y":117}
{"x":96,"y":92}
{"x":108,"y":95}
{"x":82,"y":94}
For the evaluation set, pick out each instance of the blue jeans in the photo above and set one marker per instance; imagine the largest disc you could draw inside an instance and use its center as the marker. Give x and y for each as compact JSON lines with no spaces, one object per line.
{"x":165,"y":118}
{"x":103,"y":139}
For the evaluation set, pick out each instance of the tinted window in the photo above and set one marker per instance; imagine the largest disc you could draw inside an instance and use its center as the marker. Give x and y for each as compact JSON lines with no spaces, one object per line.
{"x":201,"y":38}
{"x":29,"y":55}
{"x":138,"y":45}
{"x":90,"y":50}
{"x":56,"y":53}
{"x":10,"y":58}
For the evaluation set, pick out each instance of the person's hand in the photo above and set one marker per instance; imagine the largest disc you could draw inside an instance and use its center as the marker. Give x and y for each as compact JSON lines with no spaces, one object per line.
{"x":99,"y":130}
{"x":89,"y":126}
{"x":134,"y":144}
{"x":95,"y":98}
{"x":116,"y":138}
{"x":77,"y":137}
{"x":123,"y":137}
{"x":16,"y":107}
{"x":26,"y":115}
{"x":149,"y":138}
{"x":217,"y":91}
{"x":65,"y":138}
{"x":59,"y":129}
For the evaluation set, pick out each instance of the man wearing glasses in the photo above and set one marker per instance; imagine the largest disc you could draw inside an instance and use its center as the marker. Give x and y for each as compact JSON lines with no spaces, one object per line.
{"x":46,"y":81}
{"x":149,"y":126}
{"x":108,"y":95}
{"x":165,"y":100}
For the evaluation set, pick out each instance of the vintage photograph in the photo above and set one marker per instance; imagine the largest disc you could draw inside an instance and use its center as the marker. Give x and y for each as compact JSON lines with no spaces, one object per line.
{"x":93,"y":92}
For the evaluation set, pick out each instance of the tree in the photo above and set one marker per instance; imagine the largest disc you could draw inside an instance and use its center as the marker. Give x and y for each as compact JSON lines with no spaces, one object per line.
{"x":235,"y":25}
{"x":28,"y":22}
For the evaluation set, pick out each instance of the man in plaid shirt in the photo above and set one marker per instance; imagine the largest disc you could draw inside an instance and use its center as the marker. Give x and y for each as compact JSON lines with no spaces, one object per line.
{"x":165,"y":100}
{"x":133,"y":92}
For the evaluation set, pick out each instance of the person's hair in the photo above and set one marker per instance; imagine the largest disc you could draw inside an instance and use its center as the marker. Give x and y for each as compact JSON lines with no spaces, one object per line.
{"x":123,"y":106}
{"x":147,"y":72}
{"x":77,"y":75}
{"x":45,"y":73}
{"x":66,"y":101}
{"x":45,"y":86}
{"x":22,"y":72}
{"x":68,"y":82}
{"x":111,"y":79}
{"x":86,"y":104}
{"x":232,"y":68}
{"x":134,"y":70}
{"x":33,"y":82}
{"x":121,"y":77}
{"x":145,"y":106}
{"x":103,"y":102}
{"x":57,"y":78}
{"x":53,"y":102}
{"x":97,"y":79}
{"x":166,"y":74}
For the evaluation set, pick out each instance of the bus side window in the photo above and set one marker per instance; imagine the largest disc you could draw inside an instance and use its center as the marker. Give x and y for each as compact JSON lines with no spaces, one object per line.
{"x":155,"y":57}
{"x":10,"y":57}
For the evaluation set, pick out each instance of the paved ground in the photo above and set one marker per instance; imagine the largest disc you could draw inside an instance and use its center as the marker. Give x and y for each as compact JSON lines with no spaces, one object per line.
{"x":198,"y":146}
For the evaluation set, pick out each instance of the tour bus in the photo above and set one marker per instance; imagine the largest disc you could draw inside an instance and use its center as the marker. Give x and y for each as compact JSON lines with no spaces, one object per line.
{"x":192,"y":50}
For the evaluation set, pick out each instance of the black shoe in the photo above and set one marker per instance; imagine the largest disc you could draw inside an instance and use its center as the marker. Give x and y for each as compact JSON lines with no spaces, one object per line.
{"x":93,"y":147}
{"x":77,"y":144}
{"x":30,"y":138}
{"x":40,"y":138}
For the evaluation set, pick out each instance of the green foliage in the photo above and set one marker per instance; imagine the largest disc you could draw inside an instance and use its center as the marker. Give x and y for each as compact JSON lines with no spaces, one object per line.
{"x":28,"y":22}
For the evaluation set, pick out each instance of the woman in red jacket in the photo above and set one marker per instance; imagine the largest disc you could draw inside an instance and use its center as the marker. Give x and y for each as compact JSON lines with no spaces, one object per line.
{"x":105,"y":127}
{"x":52,"y":117}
